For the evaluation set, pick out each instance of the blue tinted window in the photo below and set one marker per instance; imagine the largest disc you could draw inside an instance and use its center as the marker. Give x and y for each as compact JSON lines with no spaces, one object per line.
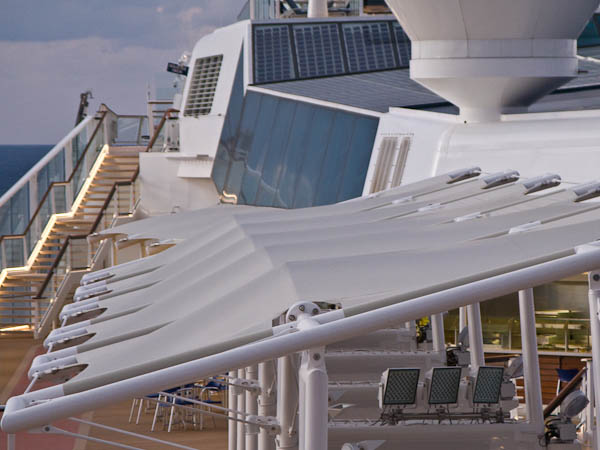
{"x":314,"y":154}
{"x":589,"y":36}
{"x":226,"y":146}
{"x":335,"y":158}
{"x":359,"y":155}
{"x":259,"y":148}
{"x":318,"y":50}
{"x":293,"y":154}
{"x":277,"y":146}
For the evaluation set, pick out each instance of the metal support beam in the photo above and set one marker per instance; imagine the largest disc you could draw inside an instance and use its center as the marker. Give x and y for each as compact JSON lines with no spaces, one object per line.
{"x":287,"y":403}
{"x":313,"y":414}
{"x":231,"y":425}
{"x":267,"y":405}
{"x":475,"y":336}
{"x":241,"y":407}
{"x":437,"y":330}
{"x":594,"y":297}
{"x":11,"y":442}
{"x":251,"y":408}
{"x":531,"y":364}
{"x":462,"y":318}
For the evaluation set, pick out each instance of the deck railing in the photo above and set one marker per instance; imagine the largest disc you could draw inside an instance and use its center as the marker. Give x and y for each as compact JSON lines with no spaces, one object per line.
{"x":46,"y":189}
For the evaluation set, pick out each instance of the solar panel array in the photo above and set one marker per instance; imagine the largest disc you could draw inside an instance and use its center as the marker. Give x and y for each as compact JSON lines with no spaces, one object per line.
{"x":369,"y":46}
{"x":272,"y":54}
{"x":310,"y":50}
{"x":318,"y":50}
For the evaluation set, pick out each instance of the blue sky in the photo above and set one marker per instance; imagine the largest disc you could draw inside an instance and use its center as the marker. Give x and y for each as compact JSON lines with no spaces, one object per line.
{"x":51,"y":50}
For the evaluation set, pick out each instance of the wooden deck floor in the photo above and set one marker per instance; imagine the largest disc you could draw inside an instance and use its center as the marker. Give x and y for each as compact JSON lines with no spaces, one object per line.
{"x":15,"y":358}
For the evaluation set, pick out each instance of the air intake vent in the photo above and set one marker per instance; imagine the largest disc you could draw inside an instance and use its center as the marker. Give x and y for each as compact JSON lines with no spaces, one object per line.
{"x":391,"y":161}
{"x":202,"y":88}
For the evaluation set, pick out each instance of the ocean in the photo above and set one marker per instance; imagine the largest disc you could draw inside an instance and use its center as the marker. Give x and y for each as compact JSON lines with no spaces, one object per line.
{"x":16,"y":160}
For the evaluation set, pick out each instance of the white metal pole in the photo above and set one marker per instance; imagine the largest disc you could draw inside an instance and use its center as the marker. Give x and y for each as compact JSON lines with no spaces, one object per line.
{"x":594,"y":297}
{"x":232,"y":404}
{"x":267,"y":406}
{"x":11,"y":442}
{"x":590,"y":425}
{"x":317,"y":8}
{"x":531,"y":363}
{"x":462,"y":318}
{"x":437,"y":329}
{"x":287,"y":403}
{"x":241,"y":407}
{"x":475,"y":336}
{"x":315,"y":411}
{"x":251,"y":407}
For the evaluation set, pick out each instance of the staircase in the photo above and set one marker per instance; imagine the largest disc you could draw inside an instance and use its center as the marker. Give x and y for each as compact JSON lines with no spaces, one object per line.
{"x":20,"y":287}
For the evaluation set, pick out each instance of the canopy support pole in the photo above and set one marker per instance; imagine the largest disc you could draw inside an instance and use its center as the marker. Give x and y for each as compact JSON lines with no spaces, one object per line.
{"x":437,"y":330}
{"x":531,"y":364}
{"x":267,"y":406}
{"x":313,"y":400}
{"x":251,"y":407}
{"x":594,"y":298}
{"x":475,"y":336}
{"x":241,"y":403}
{"x":462,"y":318}
{"x":287,"y":403}
{"x":231,"y":424}
{"x":11,"y":442}
{"x":591,"y":431}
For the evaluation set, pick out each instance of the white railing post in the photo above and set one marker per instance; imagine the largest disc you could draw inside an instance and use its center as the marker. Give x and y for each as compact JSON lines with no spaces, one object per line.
{"x":232,"y":405}
{"x":475,"y":336}
{"x":437,"y":331}
{"x":241,"y":407}
{"x":287,"y":404}
{"x":594,"y":297}
{"x":531,"y":364}
{"x":591,"y":436}
{"x":462,"y":318}
{"x":251,"y":407}
{"x":313,"y":412}
{"x":267,"y":406}
{"x":11,"y":442}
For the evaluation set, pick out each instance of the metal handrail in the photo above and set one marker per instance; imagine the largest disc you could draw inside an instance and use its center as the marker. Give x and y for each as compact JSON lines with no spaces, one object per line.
{"x":159,"y":127}
{"x":56,"y":183}
{"x":570,"y":387}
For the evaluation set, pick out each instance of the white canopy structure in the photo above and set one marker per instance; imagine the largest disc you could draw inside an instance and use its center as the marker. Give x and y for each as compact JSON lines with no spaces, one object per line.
{"x":236,"y":270}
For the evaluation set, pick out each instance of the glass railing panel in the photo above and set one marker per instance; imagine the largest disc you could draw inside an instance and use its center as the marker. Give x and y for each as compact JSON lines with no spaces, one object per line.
{"x":130,"y":130}
{"x":59,"y":191}
{"x":14,"y":251}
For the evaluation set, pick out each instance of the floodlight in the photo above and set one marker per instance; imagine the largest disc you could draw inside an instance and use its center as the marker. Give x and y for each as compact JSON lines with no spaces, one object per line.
{"x":500,"y":178}
{"x":463,"y":337}
{"x":573,"y":404}
{"x":488,"y":384}
{"x":515,"y":368}
{"x":464,"y":174}
{"x":445,"y":382}
{"x":399,"y":387}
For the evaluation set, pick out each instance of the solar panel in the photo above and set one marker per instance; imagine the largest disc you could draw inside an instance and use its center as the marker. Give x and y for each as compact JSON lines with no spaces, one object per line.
{"x":445,"y":382}
{"x":318,"y":50}
{"x":272,"y":54}
{"x":369,"y":46}
{"x":401,"y":387}
{"x":487,"y":387}
{"x":404,"y":45}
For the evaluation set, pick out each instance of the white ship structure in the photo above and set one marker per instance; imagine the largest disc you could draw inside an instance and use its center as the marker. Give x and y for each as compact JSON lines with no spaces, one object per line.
{"x":322,"y":179}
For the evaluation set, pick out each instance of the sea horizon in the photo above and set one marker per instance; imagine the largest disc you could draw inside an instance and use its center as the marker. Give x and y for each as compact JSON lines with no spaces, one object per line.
{"x":16,"y":160}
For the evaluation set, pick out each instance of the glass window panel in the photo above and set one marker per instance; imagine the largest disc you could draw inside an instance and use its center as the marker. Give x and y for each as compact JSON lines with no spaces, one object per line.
{"x":243,"y":144}
{"x":313,"y":157}
{"x":335,"y":158}
{"x":403,"y":45}
{"x":355,"y":172}
{"x":589,"y":36}
{"x":259,"y":149}
{"x":292,"y":162}
{"x":230,"y":127}
{"x":277,"y":146}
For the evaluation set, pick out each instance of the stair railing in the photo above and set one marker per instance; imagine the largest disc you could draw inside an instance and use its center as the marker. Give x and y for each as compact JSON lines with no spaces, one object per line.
{"x":122,"y":200}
